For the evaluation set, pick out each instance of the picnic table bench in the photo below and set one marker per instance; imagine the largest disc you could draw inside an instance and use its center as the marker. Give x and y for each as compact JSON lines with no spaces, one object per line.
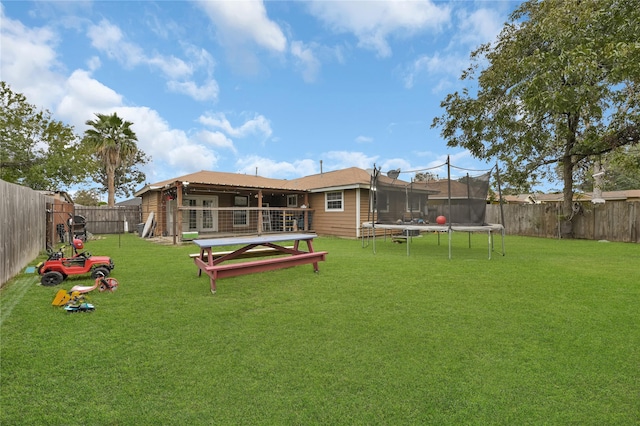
{"x":213,"y":264}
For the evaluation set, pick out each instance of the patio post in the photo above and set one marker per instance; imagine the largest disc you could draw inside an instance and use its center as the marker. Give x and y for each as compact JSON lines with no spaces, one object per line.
{"x":260,"y":225}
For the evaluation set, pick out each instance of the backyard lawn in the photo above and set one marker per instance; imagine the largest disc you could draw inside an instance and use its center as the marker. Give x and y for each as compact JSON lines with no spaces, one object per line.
{"x":548,"y":334}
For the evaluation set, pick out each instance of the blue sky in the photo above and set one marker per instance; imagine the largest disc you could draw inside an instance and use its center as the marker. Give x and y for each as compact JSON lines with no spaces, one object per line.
{"x":245,"y":86}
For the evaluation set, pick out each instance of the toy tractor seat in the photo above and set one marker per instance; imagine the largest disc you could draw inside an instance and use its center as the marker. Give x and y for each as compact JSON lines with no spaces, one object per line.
{"x":74,"y":261}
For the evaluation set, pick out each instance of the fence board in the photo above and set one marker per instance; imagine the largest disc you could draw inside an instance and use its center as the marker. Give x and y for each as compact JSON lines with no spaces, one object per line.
{"x":22,"y":228}
{"x":110,"y":220}
{"x":612,"y":221}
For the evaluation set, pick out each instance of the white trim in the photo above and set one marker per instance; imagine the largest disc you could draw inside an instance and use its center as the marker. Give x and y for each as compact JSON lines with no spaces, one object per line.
{"x":338,"y":188}
{"x":358,"y":213}
{"x":326,"y":202}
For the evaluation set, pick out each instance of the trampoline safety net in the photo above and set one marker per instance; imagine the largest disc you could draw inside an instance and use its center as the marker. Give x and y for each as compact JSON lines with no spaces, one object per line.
{"x":397,"y":199}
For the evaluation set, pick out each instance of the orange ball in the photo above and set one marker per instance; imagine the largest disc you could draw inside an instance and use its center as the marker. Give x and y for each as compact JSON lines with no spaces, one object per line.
{"x":441,"y":220}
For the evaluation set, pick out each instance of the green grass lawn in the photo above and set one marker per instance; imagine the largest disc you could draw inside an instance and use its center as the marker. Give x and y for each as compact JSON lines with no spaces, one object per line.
{"x":548,"y":334}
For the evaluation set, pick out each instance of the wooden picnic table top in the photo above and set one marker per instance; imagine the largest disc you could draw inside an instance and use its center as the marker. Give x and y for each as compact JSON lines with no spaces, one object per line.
{"x":253,"y":239}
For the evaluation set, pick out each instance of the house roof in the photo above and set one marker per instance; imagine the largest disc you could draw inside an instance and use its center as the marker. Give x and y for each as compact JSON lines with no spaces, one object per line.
{"x":349,"y":178}
{"x":235,"y":180}
{"x":629,"y":195}
{"x":136,"y":201}
{"x":352,"y":177}
{"x":60,"y":195}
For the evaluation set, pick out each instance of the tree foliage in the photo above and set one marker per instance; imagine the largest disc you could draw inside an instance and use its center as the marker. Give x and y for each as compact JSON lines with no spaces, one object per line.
{"x":87,"y":197}
{"x":127,"y":178}
{"x":623,"y":170}
{"x":113,"y":143}
{"x":559,"y":87}
{"x":36,"y":150}
{"x":425,"y":176}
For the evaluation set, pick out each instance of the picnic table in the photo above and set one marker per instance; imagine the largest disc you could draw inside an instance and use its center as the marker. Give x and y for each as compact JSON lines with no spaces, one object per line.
{"x":216,"y":264}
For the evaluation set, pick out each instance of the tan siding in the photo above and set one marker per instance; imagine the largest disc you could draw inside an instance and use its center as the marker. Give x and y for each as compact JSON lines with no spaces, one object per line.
{"x":340,"y":224}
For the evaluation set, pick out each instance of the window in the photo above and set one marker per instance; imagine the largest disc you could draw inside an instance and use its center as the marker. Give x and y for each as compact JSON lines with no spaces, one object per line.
{"x":414,"y":203}
{"x":333,"y":201}
{"x":240,"y":217}
{"x":292,"y":200}
{"x":241,"y":200}
{"x":207,"y":215}
{"x":193,"y":218}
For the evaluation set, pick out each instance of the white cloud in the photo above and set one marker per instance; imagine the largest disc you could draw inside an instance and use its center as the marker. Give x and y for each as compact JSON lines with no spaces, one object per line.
{"x":374,"y":22}
{"x":108,"y":38}
{"x":258,"y":125}
{"x":165,"y":145}
{"x":200,"y":57}
{"x":208,"y":91}
{"x":266,"y":167}
{"x":94,"y":63}
{"x":83,"y":96}
{"x":238,"y":22}
{"x":170,"y":66}
{"x":364,"y":139}
{"x":336,"y":160}
{"x":431,"y":65}
{"x":305,"y":60}
{"x":394,"y":164}
{"x":186,"y":158}
{"x":472,"y":29}
{"x":216,"y":139}
{"x":29,"y":61}
{"x":479,"y":26}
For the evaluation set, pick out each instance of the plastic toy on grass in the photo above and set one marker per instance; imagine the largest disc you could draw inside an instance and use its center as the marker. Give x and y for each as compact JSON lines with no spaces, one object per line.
{"x":102,"y":283}
{"x":72,"y":302}
{"x":81,"y":307}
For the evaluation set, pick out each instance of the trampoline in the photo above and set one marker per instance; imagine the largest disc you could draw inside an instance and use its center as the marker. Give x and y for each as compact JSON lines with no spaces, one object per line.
{"x":490,"y":229}
{"x":409,"y":208}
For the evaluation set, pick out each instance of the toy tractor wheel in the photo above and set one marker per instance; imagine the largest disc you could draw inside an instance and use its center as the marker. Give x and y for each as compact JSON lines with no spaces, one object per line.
{"x":51,"y":278}
{"x":100,"y":272}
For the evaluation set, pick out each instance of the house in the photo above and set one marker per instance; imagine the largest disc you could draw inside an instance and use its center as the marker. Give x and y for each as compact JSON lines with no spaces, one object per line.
{"x":342,"y":200}
{"x":218,"y":203}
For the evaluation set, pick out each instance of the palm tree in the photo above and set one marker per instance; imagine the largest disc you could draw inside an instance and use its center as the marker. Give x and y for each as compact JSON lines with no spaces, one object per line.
{"x":114,"y":143}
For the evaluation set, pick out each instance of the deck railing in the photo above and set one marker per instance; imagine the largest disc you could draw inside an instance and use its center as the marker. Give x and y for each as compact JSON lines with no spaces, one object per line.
{"x":199,"y":222}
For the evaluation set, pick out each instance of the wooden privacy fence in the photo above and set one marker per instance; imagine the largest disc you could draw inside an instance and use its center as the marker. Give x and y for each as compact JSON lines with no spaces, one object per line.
{"x":612,"y":221}
{"x":22,"y":227}
{"x":110,"y":220}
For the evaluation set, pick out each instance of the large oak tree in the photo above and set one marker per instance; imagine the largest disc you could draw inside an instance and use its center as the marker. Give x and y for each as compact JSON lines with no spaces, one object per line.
{"x":559,"y":88}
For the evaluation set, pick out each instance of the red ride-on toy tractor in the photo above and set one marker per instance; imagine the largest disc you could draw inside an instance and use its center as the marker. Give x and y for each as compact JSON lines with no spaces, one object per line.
{"x":58,"y":267}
